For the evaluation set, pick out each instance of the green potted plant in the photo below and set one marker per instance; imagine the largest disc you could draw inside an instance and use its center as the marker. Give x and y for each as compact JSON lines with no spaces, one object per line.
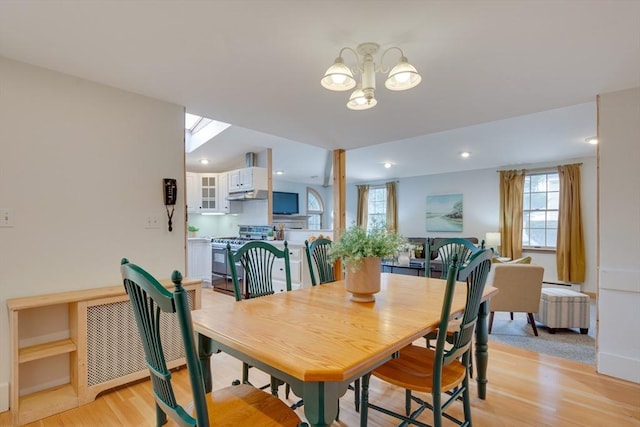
{"x":361,"y":250}
{"x":192,"y":230}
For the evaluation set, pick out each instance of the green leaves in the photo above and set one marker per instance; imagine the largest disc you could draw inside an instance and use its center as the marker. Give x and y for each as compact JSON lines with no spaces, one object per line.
{"x":357,"y":243}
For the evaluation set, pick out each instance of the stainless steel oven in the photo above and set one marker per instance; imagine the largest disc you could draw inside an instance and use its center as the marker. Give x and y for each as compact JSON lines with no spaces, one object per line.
{"x":220,"y":268}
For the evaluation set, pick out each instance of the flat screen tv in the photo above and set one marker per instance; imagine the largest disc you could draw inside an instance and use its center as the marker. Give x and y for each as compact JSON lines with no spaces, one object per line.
{"x":285,"y":203}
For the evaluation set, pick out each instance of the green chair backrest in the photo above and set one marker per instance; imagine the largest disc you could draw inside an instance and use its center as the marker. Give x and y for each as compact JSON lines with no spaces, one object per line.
{"x":257,"y":259}
{"x":446,"y":249}
{"x":318,"y":259}
{"x":150,"y":300}
{"x":474,"y":273}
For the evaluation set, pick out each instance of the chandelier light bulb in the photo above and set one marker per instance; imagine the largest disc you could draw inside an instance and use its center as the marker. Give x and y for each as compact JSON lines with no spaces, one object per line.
{"x":403,"y":76}
{"x":338,"y":77}
{"x":361,"y":100}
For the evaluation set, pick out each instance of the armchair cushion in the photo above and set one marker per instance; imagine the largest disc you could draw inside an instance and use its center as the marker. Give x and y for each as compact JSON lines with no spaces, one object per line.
{"x":523,"y":260}
{"x":520,"y":287}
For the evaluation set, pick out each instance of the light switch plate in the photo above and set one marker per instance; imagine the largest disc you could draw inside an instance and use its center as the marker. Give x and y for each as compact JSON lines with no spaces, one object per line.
{"x":6,"y":217}
{"x":152,"y":222}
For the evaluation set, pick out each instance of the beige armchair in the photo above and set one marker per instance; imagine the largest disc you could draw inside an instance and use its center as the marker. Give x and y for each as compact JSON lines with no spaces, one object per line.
{"x":520,"y":286}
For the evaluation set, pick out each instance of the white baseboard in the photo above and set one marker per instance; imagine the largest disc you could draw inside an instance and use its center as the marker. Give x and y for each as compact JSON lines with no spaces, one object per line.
{"x":618,"y":366}
{"x":4,"y":397}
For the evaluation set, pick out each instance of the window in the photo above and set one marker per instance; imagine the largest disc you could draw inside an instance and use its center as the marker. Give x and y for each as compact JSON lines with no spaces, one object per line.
{"x":377,"y":206}
{"x":541,"y":197}
{"x":315,"y":209}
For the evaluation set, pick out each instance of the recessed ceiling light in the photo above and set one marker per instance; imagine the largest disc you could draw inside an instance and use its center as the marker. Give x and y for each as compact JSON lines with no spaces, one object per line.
{"x":387,"y":165}
{"x":204,"y":161}
{"x":465,"y":154}
{"x":592,"y":140}
{"x":279,"y":172}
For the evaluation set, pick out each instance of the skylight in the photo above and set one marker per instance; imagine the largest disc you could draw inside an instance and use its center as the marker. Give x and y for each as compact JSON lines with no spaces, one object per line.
{"x":198,"y":130}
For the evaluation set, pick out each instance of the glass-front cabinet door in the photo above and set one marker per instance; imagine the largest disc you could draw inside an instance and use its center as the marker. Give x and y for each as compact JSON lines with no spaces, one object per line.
{"x":208,"y":187}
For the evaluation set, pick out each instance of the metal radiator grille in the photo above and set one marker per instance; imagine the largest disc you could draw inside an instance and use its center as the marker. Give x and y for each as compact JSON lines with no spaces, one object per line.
{"x":114,"y":348}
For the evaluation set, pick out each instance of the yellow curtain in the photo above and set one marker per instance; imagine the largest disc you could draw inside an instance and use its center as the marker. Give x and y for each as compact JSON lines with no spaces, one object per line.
{"x":570,"y":257}
{"x":511,"y":189}
{"x":392,"y":207}
{"x":362,"y":212}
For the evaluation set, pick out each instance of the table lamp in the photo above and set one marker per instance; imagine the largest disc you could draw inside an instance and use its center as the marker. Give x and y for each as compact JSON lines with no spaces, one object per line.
{"x":492,"y":240}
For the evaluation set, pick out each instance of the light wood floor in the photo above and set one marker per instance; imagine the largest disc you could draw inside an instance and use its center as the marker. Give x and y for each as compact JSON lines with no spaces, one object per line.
{"x":525,"y":389}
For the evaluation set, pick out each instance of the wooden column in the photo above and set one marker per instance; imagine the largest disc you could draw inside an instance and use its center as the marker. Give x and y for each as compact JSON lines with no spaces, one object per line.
{"x":339,"y":199}
{"x":269,"y":156}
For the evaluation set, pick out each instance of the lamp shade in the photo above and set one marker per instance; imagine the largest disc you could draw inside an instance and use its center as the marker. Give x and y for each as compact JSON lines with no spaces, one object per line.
{"x":403,"y":76}
{"x":492,"y":240}
{"x":338,"y":77}
{"x":360,"y":101}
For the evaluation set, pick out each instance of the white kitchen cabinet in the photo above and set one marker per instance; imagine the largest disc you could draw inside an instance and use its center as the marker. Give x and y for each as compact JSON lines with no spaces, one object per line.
{"x":295,"y":264}
{"x":224,"y":205}
{"x":208,"y":192}
{"x":193,"y":192}
{"x":199,"y":259}
{"x":247,"y":179}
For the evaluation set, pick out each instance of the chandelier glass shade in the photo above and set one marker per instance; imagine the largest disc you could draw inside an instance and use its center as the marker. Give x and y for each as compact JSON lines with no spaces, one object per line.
{"x":339,"y":77}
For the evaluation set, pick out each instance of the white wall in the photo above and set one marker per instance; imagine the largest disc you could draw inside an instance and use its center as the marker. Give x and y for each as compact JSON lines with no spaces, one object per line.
{"x":81,"y":168}
{"x":619,"y":235}
{"x":481,"y":201}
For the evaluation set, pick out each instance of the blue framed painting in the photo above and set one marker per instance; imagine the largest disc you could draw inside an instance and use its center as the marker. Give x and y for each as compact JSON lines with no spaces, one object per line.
{"x":444,"y":212}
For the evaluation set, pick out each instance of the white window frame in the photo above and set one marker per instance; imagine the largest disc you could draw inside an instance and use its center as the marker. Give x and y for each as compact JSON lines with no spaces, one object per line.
{"x":548,"y":215}
{"x":377,"y":208}
{"x":314,"y":212}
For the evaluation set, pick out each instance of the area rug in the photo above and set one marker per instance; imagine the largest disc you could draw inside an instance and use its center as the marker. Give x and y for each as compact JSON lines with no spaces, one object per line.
{"x":565,"y":343}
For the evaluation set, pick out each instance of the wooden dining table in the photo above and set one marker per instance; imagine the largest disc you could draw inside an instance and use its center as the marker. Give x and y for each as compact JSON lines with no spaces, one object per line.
{"x":319,"y":341}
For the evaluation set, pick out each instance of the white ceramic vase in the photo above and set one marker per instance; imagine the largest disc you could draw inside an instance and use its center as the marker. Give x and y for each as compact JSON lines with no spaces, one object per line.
{"x":404,"y":258}
{"x":364,"y":283}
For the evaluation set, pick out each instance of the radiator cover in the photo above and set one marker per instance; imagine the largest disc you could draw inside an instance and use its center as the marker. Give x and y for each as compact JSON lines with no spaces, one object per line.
{"x":114,"y":347}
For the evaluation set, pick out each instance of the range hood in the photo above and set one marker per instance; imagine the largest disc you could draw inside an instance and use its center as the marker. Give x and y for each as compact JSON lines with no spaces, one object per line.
{"x":249,"y":195}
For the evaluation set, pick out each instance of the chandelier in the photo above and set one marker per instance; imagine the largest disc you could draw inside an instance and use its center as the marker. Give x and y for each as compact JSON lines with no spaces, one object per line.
{"x":339,"y":77}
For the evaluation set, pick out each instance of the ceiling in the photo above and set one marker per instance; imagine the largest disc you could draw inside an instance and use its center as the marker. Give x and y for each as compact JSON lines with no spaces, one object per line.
{"x":513,"y":82}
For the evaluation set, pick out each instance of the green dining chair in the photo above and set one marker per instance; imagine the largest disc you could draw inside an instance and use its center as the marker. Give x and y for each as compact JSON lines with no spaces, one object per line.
{"x":240,"y":405}
{"x":444,"y":370}
{"x":446,"y":248}
{"x":259,"y":261}
{"x":319,"y":261}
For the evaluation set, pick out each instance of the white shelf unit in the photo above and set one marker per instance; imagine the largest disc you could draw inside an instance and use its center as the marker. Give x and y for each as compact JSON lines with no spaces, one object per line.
{"x":68,"y":347}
